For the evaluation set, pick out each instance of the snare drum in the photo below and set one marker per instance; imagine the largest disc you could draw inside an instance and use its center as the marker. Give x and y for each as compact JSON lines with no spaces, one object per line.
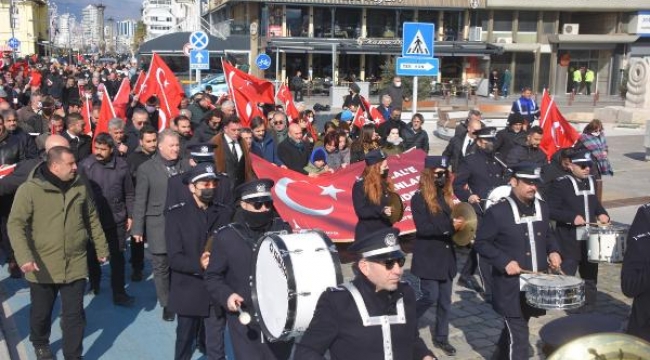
{"x":607,"y":243}
{"x":555,"y":292}
{"x":290,"y":271}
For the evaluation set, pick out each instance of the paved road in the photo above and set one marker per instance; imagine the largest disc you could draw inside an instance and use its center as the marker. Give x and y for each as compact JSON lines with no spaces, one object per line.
{"x":139,"y":333}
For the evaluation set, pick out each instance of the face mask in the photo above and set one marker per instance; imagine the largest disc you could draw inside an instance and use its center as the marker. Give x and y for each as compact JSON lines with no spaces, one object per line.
{"x":206,"y":195}
{"x":257,"y":220}
{"x":440,"y":182}
{"x":489,"y":148}
{"x":596,"y":133}
{"x":384,"y":174}
{"x":150,"y":109}
{"x":397,"y":84}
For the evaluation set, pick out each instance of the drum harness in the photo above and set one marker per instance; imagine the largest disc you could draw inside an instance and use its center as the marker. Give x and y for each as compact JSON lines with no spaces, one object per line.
{"x":528,"y":220}
{"x":385,"y":321}
{"x":585,"y":196}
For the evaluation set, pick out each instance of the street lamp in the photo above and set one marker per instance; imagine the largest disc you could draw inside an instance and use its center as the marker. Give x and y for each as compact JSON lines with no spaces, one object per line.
{"x":11,"y":25}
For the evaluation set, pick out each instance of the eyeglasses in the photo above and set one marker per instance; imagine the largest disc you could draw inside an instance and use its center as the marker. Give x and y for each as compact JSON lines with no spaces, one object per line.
{"x":390,"y":263}
{"x":584,"y":166}
{"x":258,"y":204}
{"x":440,"y":174}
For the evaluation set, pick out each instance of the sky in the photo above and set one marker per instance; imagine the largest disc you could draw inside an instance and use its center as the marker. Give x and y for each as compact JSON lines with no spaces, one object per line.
{"x":118,"y":9}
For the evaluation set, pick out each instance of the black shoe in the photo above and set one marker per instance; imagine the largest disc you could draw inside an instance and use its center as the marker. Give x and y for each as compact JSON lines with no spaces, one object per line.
{"x":136,"y":275}
{"x":44,"y":352}
{"x":168,"y":315}
{"x":446,"y":347}
{"x":123,"y":299}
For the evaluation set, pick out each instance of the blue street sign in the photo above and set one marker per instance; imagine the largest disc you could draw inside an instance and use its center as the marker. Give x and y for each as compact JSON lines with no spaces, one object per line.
{"x":263,"y":61}
{"x":199,"y":40}
{"x":417,"y":66}
{"x":13,"y":43}
{"x":418,"y":39}
{"x":199,"y":60}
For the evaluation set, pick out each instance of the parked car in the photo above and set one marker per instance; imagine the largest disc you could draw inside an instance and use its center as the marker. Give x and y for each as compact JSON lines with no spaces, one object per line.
{"x":217,"y":81}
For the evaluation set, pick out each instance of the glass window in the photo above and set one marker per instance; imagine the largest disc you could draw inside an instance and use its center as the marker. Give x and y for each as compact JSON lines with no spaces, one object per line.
{"x":453,"y":22}
{"x":502,"y":21}
{"x":428,"y":16}
{"x":528,"y":21}
{"x":549,"y":22}
{"x":403,"y":16}
{"x":297,"y":21}
{"x":275,"y":20}
{"x":381,"y":23}
{"x":524,"y":70}
{"x":322,"y":22}
{"x":544,"y":72}
{"x":347,"y":23}
{"x":479,"y":18}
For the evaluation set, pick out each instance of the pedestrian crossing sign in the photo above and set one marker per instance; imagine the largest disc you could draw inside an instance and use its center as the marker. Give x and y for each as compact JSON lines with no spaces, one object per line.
{"x":417,"y":40}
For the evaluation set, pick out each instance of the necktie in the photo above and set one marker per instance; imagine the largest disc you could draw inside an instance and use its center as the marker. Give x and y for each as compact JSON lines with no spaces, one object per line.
{"x":234,"y":150}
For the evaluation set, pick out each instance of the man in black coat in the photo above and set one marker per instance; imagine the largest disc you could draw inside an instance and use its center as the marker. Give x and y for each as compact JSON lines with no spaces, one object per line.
{"x":372,"y":316}
{"x":515,"y":236}
{"x":635,"y":274}
{"x":113,"y":193}
{"x":80,"y":143}
{"x":529,"y":151}
{"x":395,"y":121}
{"x":187,"y":227}
{"x":477,"y":175}
{"x":27,"y":143}
{"x":294,"y":152}
{"x":574,"y":206}
{"x":462,"y":145}
{"x":511,"y":135}
{"x":227,"y":277}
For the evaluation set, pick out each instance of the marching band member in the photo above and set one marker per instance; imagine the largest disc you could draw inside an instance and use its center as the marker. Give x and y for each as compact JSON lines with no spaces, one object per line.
{"x":187,"y":224}
{"x":477,"y":174}
{"x":515,"y":235}
{"x":229,"y":269}
{"x":371,"y":317}
{"x":574,"y":206}
{"x":434,"y":258}
{"x":370,"y":195}
{"x":635,"y":274}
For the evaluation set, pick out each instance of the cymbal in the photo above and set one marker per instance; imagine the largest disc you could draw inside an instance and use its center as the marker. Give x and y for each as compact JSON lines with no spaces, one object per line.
{"x":464,"y":235}
{"x":603,"y":346}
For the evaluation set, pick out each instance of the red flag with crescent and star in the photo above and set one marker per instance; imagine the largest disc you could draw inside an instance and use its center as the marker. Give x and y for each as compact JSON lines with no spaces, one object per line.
{"x":247,"y":91}
{"x":373,"y":114}
{"x":137,"y":88}
{"x":325,"y":202}
{"x":121,"y":101}
{"x":285,"y":96}
{"x":106,"y":113}
{"x":161,"y":82}
{"x":558,"y":132}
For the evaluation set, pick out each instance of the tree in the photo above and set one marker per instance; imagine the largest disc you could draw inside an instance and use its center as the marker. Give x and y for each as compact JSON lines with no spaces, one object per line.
{"x":388,"y":72}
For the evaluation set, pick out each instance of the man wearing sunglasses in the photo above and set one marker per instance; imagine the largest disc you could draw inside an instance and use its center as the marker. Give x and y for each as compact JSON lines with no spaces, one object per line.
{"x":371,"y":317}
{"x":515,"y":236}
{"x":574,"y":208}
{"x":227,"y":276}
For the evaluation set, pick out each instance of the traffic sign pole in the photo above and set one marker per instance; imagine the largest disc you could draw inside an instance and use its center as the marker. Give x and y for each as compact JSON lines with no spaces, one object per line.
{"x":414,"y":108}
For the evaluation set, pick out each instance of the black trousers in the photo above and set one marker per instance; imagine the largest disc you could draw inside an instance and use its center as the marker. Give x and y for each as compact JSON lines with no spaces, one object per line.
{"x":248,"y":344}
{"x":115,"y":238}
{"x":189,"y":334}
{"x":297,"y":94}
{"x":73,"y":318}
{"x":588,"y":272}
{"x":137,"y":255}
{"x":475,"y":261}
{"x":436,"y":292}
{"x":513,"y":343}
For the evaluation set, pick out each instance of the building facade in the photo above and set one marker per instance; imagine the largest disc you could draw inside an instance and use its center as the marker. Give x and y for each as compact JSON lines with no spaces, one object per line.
{"x":92,"y":25}
{"x":30,"y":26}
{"x":125,"y":30}
{"x":163,"y":17}
{"x":540,"y":43}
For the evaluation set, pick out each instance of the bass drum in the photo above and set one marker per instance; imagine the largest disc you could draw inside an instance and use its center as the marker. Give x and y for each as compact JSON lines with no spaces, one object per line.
{"x":290,"y":272}
{"x":499,"y":193}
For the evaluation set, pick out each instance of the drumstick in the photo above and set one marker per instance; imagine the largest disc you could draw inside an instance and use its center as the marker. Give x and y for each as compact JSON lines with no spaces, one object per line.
{"x":599,"y":224}
{"x":244,"y":316}
{"x":530,"y":272}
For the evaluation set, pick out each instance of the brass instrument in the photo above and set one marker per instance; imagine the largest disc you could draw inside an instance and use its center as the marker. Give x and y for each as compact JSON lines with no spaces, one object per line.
{"x":395,"y":202}
{"x":604,"y":346}
{"x":467,"y":230}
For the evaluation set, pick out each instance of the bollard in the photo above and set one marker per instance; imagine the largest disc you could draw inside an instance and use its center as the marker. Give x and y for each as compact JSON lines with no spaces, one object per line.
{"x":571,"y":98}
{"x":596,"y":97}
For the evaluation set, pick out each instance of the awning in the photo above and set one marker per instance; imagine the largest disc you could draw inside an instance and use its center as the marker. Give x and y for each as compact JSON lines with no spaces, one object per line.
{"x":378,"y":47}
{"x":593,"y":39}
{"x":520,"y":47}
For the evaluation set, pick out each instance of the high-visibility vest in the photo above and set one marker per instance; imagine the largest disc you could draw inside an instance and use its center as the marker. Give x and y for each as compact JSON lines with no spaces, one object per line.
{"x":577,"y":76}
{"x":589,"y":76}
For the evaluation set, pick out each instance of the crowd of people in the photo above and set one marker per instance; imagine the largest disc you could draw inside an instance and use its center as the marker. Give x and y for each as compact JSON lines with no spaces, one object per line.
{"x":189,"y":192}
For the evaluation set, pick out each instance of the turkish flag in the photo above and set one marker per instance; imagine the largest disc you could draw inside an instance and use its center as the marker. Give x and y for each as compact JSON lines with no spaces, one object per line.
{"x":247,"y":91}
{"x":137,"y":87}
{"x":86,"y":112}
{"x":325,"y":202}
{"x":285,"y":96}
{"x":121,"y":101}
{"x":558,"y":133}
{"x":372,"y":112}
{"x":161,"y":82}
{"x":106,"y":113}
{"x":359,"y":118}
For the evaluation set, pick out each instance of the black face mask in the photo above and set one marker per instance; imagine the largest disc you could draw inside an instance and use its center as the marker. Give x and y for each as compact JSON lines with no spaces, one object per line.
{"x":206,"y":195}
{"x":258,"y":220}
{"x":440,"y":182}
